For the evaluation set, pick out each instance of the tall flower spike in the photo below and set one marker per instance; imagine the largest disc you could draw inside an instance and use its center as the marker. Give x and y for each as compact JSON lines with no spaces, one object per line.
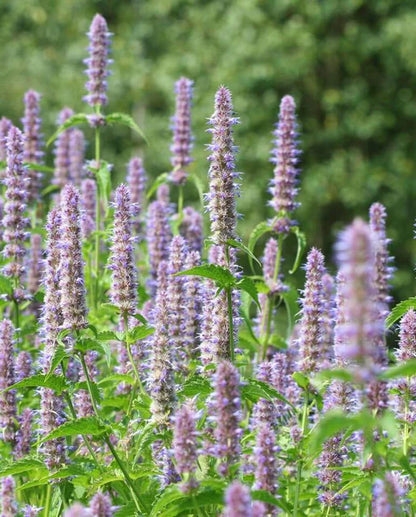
{"x":123,"y":292}
{"x":7,"y":378}
{"x":265,"y":460}
{"x":88,"y":204}
{"x":136,"y":180}
{"x":226,"y":412}
{"x":14,"y":221}
{"x":62,"y":151}
{"x":158,"y":237}
{"x":182,"y":137}
{"x":237,"y":501}
{"x":313,"y":306}
{"x":77,"y":510}
{"x":362,"y":324}
{"x":8,"y":497}
{"x":285,"y":157}
{"x":100,"y":505}
{"x":35,"y":263}
{"x":185,"y":445}
{"x":191,"y":228}
{"x":33,"y":143}
{"x":387,"y":495}
{"x":51,"y":319}
{"x":192,"y":306}
{"x":31,"y":511}
{"x":97,"y":62}
{"x":23,"y":365}
{"x":161,"y":381}
{"x":24,"y":434}
{"x":223,"y":187}
{"x":71,"y":281}
{"x":5,"y":127}
{"x":51,"y":417}
{"x":327,"y":346}
{"x":76,"y":153}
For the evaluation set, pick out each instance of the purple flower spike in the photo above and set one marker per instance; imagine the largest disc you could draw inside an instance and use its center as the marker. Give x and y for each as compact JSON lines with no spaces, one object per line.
{"x":88,"y":204}
{"x":23,"y":365}
{"x":52,"y":416}
{"x":5,"y":127}
{"x":8,"y":497}
{"x":100,"y":505}
{"x":14,"y":221}
{"x":192,"y":306}
{"x":387,"y":497}
{"x":191,"y":228}
{"x":35,"y":263}
{"x":285,"y":157}
{"x":31,"y":511}
{"x":237,"y":501}
{"x":185,"y":445}
{"x":71,"y":281}
{"x":265,"y":460}
{"x":51,"y":319}
{"x":158,"y":237}
{"x":77,"y":510}
{"x":327,"y":346}
{"x":362,"y":326}
{"x":97,"y":62}
{"x":136,"y":180}
{"x":313,"y":306}
{"x":24,"y":434}
{"x":223,"y":187}
{"x":62,"y":151}
{"x":76,"y":156}
{"x":7,"y":378}
{"x":226,"y":413}
{"x":161,"y":381}
{"x":33,"y":144}
{"x":182,"y":137}
{"x":269,"y":266}
{"x":123,"y":292}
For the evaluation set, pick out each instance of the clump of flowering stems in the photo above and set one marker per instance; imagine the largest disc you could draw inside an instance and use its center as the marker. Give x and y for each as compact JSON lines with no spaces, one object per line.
{"x":8,"y":411}
{"x":136,"y":180}
{"x":62,"y":151}
{"x":185,"y":446}
{"x":33,"y":142}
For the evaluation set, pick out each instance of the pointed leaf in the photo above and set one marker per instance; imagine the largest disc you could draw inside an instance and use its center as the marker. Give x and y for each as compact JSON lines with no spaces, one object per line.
{"x":301,"y":380}
{"x":75,"y":120}
{"x":125,"y":120}
{"x":239,"y":245}
{"x":400,"y":310}
{"x":301,"y":248}
{"x":59,"y":355}
{"x":247,"y":285}
{"x":404,"y":369}
{"x":54,"y":382}
{"x":89,"y":425}
{"x":21,"y":466}
{"x":258,"y":231}
{"x":6,"y":286}
{"x":221,"y":275}
{"x":140,"y":332}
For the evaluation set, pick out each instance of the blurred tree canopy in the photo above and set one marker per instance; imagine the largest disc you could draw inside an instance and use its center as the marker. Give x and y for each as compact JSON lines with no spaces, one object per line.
{"x":350,"y":64}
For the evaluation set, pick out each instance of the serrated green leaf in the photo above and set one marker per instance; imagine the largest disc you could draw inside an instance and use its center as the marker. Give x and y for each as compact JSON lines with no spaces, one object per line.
{"x":400,"y":310}
{"x":301,"y":380}
{"x":117,"y":377}
{"x":85,"y":344}
{"x":301,"y":238}
{"x":405,"y":369}
{"x":239,"y":245}
{"x":140,"y":332}
{"x":269,"y":393}
{"x":54,"y":382}
{"x":196,"y":385}
{"x":88,"y":425}
{"x":221,"y":275}
{"x":125,"y":120}
{"x":59,"y":355}
{"x":258,"y":231}
{"x":22,"y":466}
{"x":107,"y":335}
{"x":75,"y":120}
{"x":247,"y":285}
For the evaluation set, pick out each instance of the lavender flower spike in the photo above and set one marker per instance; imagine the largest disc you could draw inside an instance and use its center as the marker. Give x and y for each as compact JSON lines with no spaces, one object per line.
{"x":191,"y":228}
{"x":226,"y":412}
{"x":31,"y":511}
{"x":285,"y":158}
{"x":7,"y":378}
{"x":5,"y":127}
{"x":223,"y":187}
{"x":35,"y":263}
{"x":88,"y":204}
{"x":185,"y":445}
{"x":192,"y":306}
{"x":237,"y":501}
{"x":362,"y":324}
{"x":8,"y":497}
{"x":62,"y":152}
{"x":158,"y":237}
{"x":77,"y":510}
{"x":265,"y":459}
{"x":14,"y":221}
{"x":24,"y":434}
{"x":124,"y":274}
{"x":71,"y":281}
{"x":100,"y":505}
{"x":313,"y":306}
{"x":33,"y":141}
{"x":97,"y":62}
{"x":136,"y":180}
{"x":76,"y":156}
{"x":387,"y":495}
{"x":182,"y":137}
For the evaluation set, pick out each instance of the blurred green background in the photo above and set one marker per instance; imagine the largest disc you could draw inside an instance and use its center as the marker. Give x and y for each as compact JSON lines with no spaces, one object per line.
{"x":350,"y":64}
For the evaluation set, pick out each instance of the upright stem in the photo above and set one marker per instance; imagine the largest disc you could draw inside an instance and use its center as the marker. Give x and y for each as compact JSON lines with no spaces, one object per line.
{"x":47,"y":507}
{"x":131,"y":358}
{"x":300,"y":462}
{"x":230,"y":307}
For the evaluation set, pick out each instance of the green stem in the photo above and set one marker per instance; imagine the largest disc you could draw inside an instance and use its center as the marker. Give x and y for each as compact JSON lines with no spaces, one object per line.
{"x":180,"y":205}
{"x":131,"y":358}
{"x":16,"y":314}
{"x":47,"y":507}
{"x":89,"y":384}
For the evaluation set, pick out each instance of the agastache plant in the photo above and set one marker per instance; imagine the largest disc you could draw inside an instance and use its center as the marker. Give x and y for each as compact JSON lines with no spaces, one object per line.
{"x":8,"y":497}
{"x":238,"y":501}
{"x":33,"y":141}
{"x":191,"y":228}
{"x":182,"y":136}
{"x":185,"y":445}
{"x":88,"y":204}
{"x":62,"y":151}
{"x":136,"y":180}
{"x":76,"y":153}
{"x":8,"y":410}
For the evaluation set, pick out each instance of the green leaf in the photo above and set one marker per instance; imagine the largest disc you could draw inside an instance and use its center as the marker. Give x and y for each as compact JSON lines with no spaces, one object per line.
{"x":85,"y":344}
{"x":140,"y":332}
{"x":267,"y":497}
{"x":405,"y":369}
{"x":173,"y":502}
{"x":199,"y":187}
{"x":54,"y":382}
{"x":6,"y":286}
{"x":221,"y":275}
{"x":258,"y":231}
{"x":239,"y":245}
{"x":107,"y":335}
{"x":269,"y":393}
{"x":301,"y":380}
{"x":333,"y":422}
{"x":21,"y":466}
{"x":400,"y":310}
{"x":247,"y":285}
{"x":162,"y":178}
{"x":103,"y":175}
{"x":88,"y":425}
{"x":75,"y":120}
{"x":50,"y":188}
{"x":196,"y":385}
{"x":38,"y":167}
{"x":59,"y":355}
{"x":337,"y":373}
{"x":301,"y":248}
{"x":125,"y":120}
{"x":117,"y":377}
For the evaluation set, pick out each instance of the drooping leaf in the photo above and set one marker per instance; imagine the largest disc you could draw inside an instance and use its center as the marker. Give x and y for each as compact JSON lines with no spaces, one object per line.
{"x":221,"y":275}
{"x":290,"y":299}
{"x":140,"y":332}
{"x":196,"y":385}
{"x":59,"y":355}
{"x":258,"y":231}
{"x":301,"y":238}
{"x":337,"y":373}
{"x":239,"y":245}
{"x":247,"y":285}
{"x":88,"y":425}
{"x":267,"y":497}
{"x":103,"y":175}
{"x":22,"y":466}
{"x":55,"y":382}
{"x":333,"y":422}
{"x":107,"y":335}
{"x":301,"y":380}
{"x":117,"y":377}
{"x":125,"y":120}
{"x":199,"y":187}
{"x":6,"y":286}
{"x":400,"y":310}
{"x":75,"y":120}
{"x":38,"y":167}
